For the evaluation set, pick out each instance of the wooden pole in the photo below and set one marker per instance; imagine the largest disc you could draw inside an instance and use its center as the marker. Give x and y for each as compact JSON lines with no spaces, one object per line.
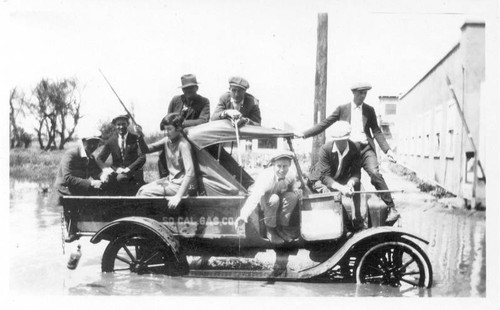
{"x":320,"y":83}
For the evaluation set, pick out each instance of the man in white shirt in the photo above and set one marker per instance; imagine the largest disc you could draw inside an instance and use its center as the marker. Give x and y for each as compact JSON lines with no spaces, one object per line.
{"x":276,"y":190}
{"x":365,"y":129}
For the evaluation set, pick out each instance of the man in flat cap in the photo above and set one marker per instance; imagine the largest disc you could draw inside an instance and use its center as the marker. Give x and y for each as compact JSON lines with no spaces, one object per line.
{"x":278,"y":192}
{"x":78,"y":173}
{"x":237,"y":104}
{"x":195,"y":110}
{"x":365,"y":128}
{"x":125,"y":175}
{"x":339,"y":168}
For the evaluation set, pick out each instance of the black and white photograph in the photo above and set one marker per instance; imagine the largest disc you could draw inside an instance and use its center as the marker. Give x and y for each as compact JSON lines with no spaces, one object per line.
{"x":275,"y":153}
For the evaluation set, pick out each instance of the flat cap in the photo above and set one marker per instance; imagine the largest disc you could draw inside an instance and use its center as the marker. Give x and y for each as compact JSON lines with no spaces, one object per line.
{"x":281,"y":154}
{"x":341,"y":130}
{"x":361,"y":86}
{"x":124,"y":116}
{"x":239,"y":82}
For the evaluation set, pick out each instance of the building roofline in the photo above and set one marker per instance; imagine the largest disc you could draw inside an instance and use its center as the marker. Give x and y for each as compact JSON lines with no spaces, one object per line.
{"x":473,"y":23}
{"x":432,"y":69}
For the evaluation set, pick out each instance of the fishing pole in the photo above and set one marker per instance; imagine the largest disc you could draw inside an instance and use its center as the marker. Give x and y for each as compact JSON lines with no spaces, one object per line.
{"x":123,"y":105}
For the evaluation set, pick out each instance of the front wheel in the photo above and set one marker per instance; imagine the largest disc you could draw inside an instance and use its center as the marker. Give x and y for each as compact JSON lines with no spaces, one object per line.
{"x":396,"y":263}
{"x":142,"y":254}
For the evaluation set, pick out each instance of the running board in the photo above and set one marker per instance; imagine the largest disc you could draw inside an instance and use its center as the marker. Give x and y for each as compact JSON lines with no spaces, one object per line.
{"x":278,"y":274}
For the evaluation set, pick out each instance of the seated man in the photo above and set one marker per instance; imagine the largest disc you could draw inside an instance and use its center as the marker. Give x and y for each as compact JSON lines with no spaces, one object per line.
{"x":78,"y":173}
{"x":277,"y":193}
{"x":125,"y":174}
{"x":339,"y":168}
{"x":237,"y":104}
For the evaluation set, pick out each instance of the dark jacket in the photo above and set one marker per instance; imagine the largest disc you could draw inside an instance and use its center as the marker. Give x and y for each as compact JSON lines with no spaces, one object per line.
{"x":343,"y":113}
{"x":74,"y":172}
{"x":134,"y":158}
{"x":328,"y":164}
{"x":198,"y":111}
{"x":250,"y":108}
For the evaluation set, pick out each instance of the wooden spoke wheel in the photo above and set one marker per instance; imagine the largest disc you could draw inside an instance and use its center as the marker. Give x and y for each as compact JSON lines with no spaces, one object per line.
{"x":400,"y":264}
{"x":141,"y":254}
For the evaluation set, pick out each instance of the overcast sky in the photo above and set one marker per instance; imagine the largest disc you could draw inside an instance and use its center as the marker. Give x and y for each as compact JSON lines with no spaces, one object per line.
{"x":145,"y":46}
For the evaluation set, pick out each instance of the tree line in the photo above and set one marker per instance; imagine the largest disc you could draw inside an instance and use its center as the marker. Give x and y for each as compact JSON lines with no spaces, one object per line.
{"x":54,"y":105}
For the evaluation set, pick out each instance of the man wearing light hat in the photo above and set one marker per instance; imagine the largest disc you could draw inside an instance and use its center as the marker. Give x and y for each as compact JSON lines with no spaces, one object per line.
{"x":237,"y":104}
{"x":339,"y":168}
{"x":125,"y":175}
{"x":276,"y":190}
{"x":195,"y":110}
{"x":78,"y":173}
{"x":365,"y":129}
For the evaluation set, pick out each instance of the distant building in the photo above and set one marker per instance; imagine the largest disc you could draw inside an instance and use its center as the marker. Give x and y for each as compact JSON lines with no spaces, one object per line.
{"x":387,"y":119}
{"x":432,"y":138}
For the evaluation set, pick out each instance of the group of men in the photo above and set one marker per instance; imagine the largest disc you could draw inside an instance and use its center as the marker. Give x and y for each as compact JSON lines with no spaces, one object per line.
{"x":338,"y":168}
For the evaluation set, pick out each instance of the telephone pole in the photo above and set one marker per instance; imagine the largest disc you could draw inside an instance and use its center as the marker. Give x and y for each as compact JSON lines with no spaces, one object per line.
{"x":320,"y":83}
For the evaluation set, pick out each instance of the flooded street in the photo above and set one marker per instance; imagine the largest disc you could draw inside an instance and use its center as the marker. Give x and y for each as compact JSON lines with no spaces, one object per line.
{"x":38,"y":267}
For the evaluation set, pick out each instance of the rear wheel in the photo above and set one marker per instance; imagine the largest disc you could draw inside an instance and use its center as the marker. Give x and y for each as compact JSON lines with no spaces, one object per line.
{"x":141,"y":254}
{"x":396,"y":263}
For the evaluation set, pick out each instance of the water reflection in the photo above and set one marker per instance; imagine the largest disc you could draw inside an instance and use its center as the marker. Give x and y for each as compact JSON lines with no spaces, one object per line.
{"x":37,"y":265}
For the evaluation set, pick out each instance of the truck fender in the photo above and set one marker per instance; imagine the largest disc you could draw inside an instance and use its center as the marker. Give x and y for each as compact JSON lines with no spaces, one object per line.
{"x":124,"y":225}
{"x":386,"y":232}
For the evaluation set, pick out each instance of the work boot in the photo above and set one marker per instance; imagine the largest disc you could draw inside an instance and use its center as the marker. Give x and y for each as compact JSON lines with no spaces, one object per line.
{"x":392,"y":217}
{"x":287,"y":233}
{"x":273,"y":236}
{"x":358,"y":224}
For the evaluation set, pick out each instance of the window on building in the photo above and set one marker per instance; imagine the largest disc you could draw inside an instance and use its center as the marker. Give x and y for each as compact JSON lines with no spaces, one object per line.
{"x":437,"y":144}
{"x":469,"y":168}
{"x":268,"y":143}
{"x":450,"y":126}
{"x":438,"y":122}
{"x":428,"y":145}
{"x":419,"y":149}
{"x":450,"y":141}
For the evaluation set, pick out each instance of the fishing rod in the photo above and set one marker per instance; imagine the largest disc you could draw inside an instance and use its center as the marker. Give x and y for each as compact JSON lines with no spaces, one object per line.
{"x":123,"y":105}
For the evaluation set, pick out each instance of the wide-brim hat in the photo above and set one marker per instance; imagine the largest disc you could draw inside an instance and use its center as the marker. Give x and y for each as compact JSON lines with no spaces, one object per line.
{"x":188,"y":80}
{"x":124,"y":116}
{"x":361,"y":86}
{"x":91,"y":135}
{"x":282,"y":154}
{"x":239,"y":82}
{"x":341,"y":130}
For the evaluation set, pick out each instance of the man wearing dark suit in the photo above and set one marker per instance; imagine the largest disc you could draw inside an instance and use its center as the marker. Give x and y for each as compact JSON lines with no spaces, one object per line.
{"x":78,"y":173}
{"x":125,"y":175}
{"x":339,"y":168}
{"x":194,"y":108}
{"x":237,"y":104}
{"x":365,"y":129}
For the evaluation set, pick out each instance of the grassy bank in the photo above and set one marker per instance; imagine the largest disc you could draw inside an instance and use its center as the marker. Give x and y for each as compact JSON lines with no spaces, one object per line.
{"x":35,"y":165}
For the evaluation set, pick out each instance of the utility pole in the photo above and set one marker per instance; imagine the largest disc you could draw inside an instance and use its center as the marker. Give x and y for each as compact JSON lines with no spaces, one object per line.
{"x":320,"y":83}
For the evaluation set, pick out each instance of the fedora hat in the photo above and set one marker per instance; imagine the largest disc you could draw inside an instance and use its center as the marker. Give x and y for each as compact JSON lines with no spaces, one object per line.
{"x":239,"y":82}
{"x":188,"y":80}
{"x":341,"y":130}
{"x":361,"y":86}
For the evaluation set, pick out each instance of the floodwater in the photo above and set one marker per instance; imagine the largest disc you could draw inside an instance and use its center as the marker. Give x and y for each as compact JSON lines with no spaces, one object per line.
{"x":38,"y":265}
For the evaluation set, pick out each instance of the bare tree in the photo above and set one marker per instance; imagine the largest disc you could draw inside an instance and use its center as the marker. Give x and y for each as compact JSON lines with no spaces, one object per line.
{"x":57,"y":111}
{"x":18,"y":106}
